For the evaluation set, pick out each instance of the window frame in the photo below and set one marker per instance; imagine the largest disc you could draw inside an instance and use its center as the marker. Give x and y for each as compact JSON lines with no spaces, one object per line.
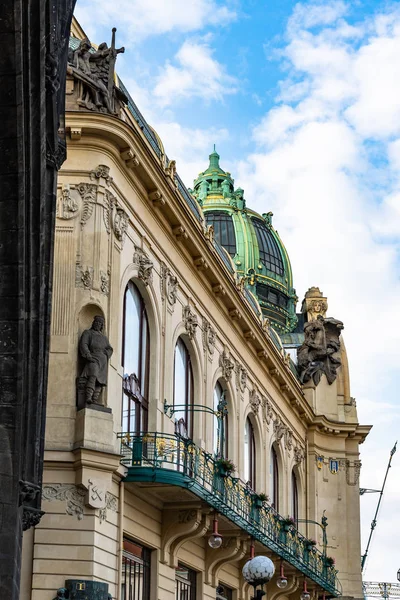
{"x":268,"y":248}
{"x":294,"y":497}
{"x":189,"y":387}
{"x":135,"y":386}
{"x":144,"y":579}
{"x":251,"y":454}
{"x":224,"y":226}
{"x":190,"y":583}
{"x":274,"y":474}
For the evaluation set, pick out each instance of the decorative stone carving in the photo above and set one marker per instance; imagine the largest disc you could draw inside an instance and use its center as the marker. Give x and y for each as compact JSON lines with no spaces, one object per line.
{"x":209,"y":233}
{"x":30,"y":517}
{"x":353,"y":472}
{"x":95,"y":350}
{"x":93,"y":72}
{"x":279,"y":429}
{"x":241,"y":377}
{"x":87,"y":278}
{"x":320,"y":351}
{"x":104,"y":283}
{"x":111,"y":504}
{"x":120,"y":223}
{"x":88,"y":194}
{"x":101,"y":171}
{"x":209,"y":337}
{"x":190,"y":321}
{"x":314,"y":304}
{"x":255,"y":400}
{"x":227,"y":364}
{"x":110,"y":202}
{"x":169,"y":285}
{"x":96,"y":494}
{"x":170,"y":169}
{"x":298,"y":454}
{"x":145,"y":265}
{"x":68,"y":207}
{"x":267,"y":410}
{"x":288,"y":439}
{"x":74,"y":497}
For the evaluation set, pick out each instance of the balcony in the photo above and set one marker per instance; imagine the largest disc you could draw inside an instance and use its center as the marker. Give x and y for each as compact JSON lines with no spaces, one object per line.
{"x":173,"y":461}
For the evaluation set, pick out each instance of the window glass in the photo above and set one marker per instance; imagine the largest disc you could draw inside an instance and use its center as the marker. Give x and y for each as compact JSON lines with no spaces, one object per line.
{"x":224,"y":230}
{"x":183,"y":389}
{"x":295,"y":498}
{"x":249,"y":455}
{"x":274,"y":479}
{"x":135,"y":358}
{"x":270,"y":254}
{"x":185,"y":579}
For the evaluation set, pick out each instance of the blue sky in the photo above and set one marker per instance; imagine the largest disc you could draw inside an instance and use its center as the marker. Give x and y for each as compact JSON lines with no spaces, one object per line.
{"x":303,"y":102}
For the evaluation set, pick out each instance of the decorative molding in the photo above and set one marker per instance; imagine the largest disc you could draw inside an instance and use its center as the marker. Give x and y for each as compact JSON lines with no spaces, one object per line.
{"x":356,"y":467}
{"x":190,"y":321}
{"x":111,"y":504}
{"x":227,"y":364}
{"x":30,"y":517}
{"x":87,"y":192}
{"x":209,"y":337}
{"x":84,"y":277}
{"x":219,"y":290}
{"x":268,"y":413}
{"x":241,"y":377}
{"x":279,"y":428}
{"x":156,"y":197}
{"x":298,"y":454}
{"x":288,"y":439}
{"x":145,"y":265}
{"x":104,"y":283}
{"x":201,"y":263}
{"x":101,"y":171}
{"x":180,"y":233}
{"x":255,"y":400}
{"x":168,"y":285}
{"x":120,"y":223}
{"x":73,"y":496}
{"x":110,"y":202}
{"x":130,"y":158}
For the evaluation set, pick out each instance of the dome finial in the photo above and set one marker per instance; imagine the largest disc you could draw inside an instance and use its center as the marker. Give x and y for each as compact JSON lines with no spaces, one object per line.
{"x":214,"y":160}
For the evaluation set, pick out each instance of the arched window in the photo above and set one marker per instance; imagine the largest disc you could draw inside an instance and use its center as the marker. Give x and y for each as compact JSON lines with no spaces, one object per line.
{"x":183,"y":389}
{"x":220,"y":424}
{"x":249,"y":455}
{"x":274,"y":479}
{"x":295,"y":498}
{"x":135,"y":361}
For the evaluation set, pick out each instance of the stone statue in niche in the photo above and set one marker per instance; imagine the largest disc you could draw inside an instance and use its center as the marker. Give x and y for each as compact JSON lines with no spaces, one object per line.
{"x":94,"y":70}
{"x":319,"y":352}
{"x":95,"y":350}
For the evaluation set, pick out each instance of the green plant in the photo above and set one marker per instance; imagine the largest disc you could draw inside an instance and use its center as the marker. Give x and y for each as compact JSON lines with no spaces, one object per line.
{"x":330,"y":561}
{"x":311,"y":542}
{"x":224,"y":464}
{"x":262,"y":498}
{"x":289,"y":521}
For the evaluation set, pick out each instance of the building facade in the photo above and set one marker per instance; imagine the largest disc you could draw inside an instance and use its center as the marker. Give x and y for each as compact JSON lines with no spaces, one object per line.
{"x":185,"y":395}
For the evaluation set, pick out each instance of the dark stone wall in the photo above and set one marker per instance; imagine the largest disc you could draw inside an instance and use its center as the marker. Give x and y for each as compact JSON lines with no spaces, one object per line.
{"x":33,"y":54}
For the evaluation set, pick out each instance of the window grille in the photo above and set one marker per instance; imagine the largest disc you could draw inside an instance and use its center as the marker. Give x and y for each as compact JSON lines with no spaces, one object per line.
{"x":185,"y":583}
{"x":135,"y":571}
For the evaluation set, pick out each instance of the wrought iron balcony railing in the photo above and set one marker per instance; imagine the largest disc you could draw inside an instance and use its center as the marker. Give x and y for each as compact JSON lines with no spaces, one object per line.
{"x":172,"y":460}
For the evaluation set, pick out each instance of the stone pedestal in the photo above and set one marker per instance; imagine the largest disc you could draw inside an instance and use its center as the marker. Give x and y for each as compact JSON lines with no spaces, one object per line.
{"x":94,"y":429}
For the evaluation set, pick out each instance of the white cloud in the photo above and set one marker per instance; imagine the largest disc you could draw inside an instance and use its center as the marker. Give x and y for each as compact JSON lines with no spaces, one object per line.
{"x":327,"y":163}
{"x":196,"y":73}
{"x":144,"y":18}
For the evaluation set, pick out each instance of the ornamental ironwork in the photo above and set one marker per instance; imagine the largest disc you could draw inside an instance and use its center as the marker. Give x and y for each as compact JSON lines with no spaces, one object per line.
{"x":173,"y":460}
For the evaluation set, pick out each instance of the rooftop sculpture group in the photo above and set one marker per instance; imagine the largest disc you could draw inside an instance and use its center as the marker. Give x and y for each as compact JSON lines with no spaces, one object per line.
{"x":95,"y":71}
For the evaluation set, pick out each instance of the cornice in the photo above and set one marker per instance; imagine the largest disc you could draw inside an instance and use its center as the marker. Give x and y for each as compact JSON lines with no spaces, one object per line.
{"x":138,"y":160}
{"x":326,"y":426}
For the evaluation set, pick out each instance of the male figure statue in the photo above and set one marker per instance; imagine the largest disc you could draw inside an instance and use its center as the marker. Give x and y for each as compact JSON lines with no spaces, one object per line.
{"x":95,"y":348}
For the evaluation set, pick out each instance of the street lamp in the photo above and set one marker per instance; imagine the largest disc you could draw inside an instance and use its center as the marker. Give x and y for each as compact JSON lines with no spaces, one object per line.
{"x":281,"y":582}
{"x":215,"y":540}
{"x":258,"y":571}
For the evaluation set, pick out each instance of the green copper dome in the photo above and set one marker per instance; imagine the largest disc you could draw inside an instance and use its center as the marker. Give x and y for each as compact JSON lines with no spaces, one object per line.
{"x":255,"y":247}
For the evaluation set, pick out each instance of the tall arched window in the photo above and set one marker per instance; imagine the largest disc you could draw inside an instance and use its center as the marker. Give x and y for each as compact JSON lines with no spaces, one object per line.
{"x":219,"y":397}
{"x":294,"y":498}
{"x":135,"y":361}
{"x":183,"y":389}
{"x":274,"y":479}
{"x":249,"y":455}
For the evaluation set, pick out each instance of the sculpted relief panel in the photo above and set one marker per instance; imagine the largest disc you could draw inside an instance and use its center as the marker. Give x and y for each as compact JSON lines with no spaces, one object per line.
{"x":320,"y":352}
